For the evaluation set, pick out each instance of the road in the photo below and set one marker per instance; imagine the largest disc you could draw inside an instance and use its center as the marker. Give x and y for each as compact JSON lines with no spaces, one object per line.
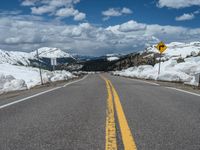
{"x":102,"y":112}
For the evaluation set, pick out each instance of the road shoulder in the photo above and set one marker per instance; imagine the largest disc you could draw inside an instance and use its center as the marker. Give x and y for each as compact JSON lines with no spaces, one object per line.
{"x":171,"y":85}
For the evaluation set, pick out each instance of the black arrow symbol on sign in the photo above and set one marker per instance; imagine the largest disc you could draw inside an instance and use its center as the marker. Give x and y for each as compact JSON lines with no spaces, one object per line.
{"x":161,"y":46}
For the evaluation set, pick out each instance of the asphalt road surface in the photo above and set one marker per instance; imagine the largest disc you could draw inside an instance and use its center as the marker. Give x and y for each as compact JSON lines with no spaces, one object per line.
{"x":101,"y":112}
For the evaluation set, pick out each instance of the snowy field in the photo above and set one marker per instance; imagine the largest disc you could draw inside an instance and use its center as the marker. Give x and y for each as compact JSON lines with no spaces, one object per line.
{"x":171,"y":70}
{"x":14,"y":78}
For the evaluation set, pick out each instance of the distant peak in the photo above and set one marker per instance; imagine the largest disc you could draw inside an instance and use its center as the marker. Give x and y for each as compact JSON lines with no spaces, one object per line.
{"x":52,"y":52}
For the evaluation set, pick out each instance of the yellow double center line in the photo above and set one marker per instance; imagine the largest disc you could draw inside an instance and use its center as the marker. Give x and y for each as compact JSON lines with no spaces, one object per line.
{"x":111,"y":139}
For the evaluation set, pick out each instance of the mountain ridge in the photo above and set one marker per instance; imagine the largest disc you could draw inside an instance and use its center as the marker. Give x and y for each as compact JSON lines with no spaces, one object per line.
{"x":24,"y":58}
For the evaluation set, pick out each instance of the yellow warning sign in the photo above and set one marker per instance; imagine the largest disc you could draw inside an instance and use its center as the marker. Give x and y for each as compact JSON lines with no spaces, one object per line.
{"x":161,"y":47}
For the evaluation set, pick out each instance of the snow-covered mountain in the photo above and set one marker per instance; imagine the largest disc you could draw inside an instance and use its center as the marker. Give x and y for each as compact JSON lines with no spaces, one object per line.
{"x":24,"y":58}
{"x":17,"y":58}
{"x":49,"y":52}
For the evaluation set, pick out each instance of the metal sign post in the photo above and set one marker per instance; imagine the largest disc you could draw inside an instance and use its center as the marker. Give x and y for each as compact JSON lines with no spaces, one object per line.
{"x":159,"y":64}
{"x":40,"y":68}
{"x":161,"y":48}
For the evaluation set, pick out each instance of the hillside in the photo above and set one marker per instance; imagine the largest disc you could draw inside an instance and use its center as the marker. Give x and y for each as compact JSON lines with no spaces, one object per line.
{"x":180,"y":63}
{"x":17,"y":58}
{"x":26,"y":59}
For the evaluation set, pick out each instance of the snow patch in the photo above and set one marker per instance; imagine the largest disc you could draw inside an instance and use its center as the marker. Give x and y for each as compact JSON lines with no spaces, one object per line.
{"x":19,"y":77}
{"x":170,"y":71}
{"x":112,"y":58}
{"x":14,"y":85}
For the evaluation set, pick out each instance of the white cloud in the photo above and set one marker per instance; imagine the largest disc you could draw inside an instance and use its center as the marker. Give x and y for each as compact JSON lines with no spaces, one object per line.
{"x":185,"y":17}
{"x":12,"y":40}
{"x":112,"y":12}
{"x":197,"y":12}
{"x":67,"y":12}
{"x":131,"y":26}
{"x":79,"y":16}
{"x":178,"y":3}
{"x":57,"y":8}
{"x":115,"y":12}
{"x":21,"y":33}
{"x":28,"y":2}
{"x":60,"y":3}
{"x":5,"y":13}
{"x":42,"y":10}
{"x":126,"y":11}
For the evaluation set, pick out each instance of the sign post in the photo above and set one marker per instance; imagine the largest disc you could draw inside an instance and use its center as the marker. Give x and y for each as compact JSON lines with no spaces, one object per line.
{"x":40,"y":70}
{"x":161,"y":48}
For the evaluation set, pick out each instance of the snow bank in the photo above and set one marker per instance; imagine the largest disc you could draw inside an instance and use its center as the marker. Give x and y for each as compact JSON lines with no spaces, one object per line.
{"x":14,"y":85}
{"x":9,"y":83}
{"x":170,"y":71}
{"x":19,"y":77}
{"x":112,"y":58}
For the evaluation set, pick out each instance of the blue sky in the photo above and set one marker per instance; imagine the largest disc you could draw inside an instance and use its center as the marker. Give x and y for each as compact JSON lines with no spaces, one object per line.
{"x":97,"y":27}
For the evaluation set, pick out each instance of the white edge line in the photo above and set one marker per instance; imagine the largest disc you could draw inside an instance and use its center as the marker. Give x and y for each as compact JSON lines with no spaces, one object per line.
{"x":183,"y":91}
{"x":143,"y":81}
{"x":26,"y":98}
{"x":38,"y":94}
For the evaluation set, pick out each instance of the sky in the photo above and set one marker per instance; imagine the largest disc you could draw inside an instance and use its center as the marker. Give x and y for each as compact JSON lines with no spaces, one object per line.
{"x":97,"y":27}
